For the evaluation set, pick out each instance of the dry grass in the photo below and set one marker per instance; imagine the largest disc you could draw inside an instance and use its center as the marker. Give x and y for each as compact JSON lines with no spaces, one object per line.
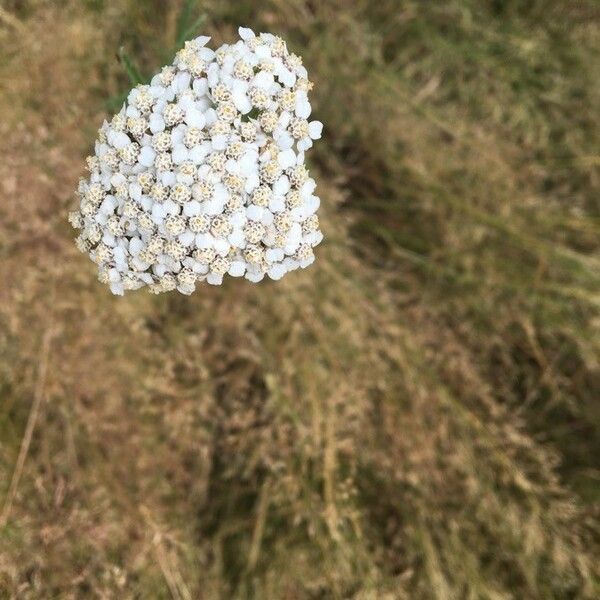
{"x":415,"y":416}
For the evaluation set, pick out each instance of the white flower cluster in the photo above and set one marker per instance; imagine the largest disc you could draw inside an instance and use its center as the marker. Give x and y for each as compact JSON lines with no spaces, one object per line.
{"x":202,"y":173}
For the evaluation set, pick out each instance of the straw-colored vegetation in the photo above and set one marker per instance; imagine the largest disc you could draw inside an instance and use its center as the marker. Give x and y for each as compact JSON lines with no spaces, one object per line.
{"x":415,"y":416}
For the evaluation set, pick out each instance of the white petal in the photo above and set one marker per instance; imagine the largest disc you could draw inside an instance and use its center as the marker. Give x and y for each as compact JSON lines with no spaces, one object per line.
{"x":114,"y":275}
{"x":255,"y":276}
{"x":263,"y":80}
{"x":263,"y":52}
{"x":284,"y":120}
{"x":132,"y":111}
{"x":220,"y":193}
{"x":308,"y":188}
{"x":146,"y":156}
{"x":187,"y":238}
{"x":295,"y":232}
{"x":200,"y":87}
{"x":239,"y":97}
{"x":156,"y":88}
{"x":211,"y":116}
{"x":178,"y":134}
{"x":252,"y":182}
{"x":192,"y":208}
{"x":182,"y":81}
{"x":161,"y":268}
{"x":315,"y":129}
{"x":200,"y":268}
{"x":180,"y":154}
{"x":206,"y":54}
{"x":237,"y":268}
{"x":187,"y":290}
{"x":135,"y":190}
{"x":313,"y":238}
{"x":286,"y":159}
{"x":119,"y":140}
{"x":203,"y":104}
{"x":238,"y":219}
{"x":120,"y":256}
{"x":158,"y":212}
{"x":171,"y":207}
{"x":254,"y":213}
{"x":232,"y":166}
{"x":303,"y":108}
{"x":304,"y":144}
{"x":285,"y":141}
{"x":214,"y":279}
{"x":133,"y":94}
{"x":237,"y":238}
{"x":108,"y":205}
{"x":117,"y":289}
{"x":248,"y":164}
{"x":214,"y":207}
{"x":135,"y":245}
{"x":274,"y":254}
{"x":186,"y":102}
{"x":277,"y":204}
{"x":213,"y":74}
{"x":286,"y":77}
{"x":276,"y":271}
{"x":198,"y":153}
{"x":291,"y":247}
{"x":222,"y":246}
{"x":312,"y":204}
{"x":246,"y":33}
{"x":242,"y":103}
{"x":205,"y":240}
{"x":282,"y":186}
{"x":168,"y":178}
{"x":219,"y":142}
{"x":194,"y":118}
{"x":157,"y":123}
{"x":228,"y":63}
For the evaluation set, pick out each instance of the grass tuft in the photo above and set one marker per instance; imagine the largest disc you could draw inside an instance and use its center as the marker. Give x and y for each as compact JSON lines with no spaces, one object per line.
{"x":413,"y":417}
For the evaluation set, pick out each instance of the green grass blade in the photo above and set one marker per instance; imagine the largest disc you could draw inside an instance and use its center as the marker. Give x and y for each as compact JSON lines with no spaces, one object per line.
{"x":132,"y":70}
{"x":188,"y":22}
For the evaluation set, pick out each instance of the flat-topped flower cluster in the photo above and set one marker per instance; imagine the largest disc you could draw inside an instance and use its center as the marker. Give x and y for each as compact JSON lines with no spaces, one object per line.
{"x":202,"y":173}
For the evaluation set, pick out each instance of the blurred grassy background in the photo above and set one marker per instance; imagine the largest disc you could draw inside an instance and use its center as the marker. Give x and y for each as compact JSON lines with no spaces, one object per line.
{"x":416,"y":416}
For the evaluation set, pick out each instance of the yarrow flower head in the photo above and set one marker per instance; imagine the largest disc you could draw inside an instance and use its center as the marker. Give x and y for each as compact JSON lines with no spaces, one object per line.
{"x":202,"y":173}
